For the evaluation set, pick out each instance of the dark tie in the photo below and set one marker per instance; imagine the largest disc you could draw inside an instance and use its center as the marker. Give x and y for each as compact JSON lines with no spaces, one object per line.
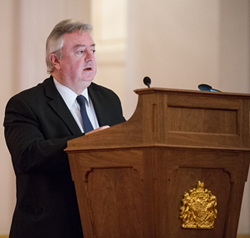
{"x":87,"y":126}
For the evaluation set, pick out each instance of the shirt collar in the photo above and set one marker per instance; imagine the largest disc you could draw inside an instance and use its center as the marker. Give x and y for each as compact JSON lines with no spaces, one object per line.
{"x":85,"y":93}
{"x":68,"y":95}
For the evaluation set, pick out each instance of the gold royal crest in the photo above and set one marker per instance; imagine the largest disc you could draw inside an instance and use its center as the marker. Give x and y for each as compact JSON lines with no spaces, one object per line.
{"x":198,"y":210}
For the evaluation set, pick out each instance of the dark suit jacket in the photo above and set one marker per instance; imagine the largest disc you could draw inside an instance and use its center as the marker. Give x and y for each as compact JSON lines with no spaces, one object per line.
{"x":38,"y":125}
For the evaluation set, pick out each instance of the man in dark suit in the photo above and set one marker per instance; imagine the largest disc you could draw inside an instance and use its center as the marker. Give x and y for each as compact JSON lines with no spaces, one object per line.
{"x":39,"y":122}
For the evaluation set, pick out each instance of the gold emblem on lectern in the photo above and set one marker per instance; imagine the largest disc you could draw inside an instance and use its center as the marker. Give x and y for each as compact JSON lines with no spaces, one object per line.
{"x":198,"y":210}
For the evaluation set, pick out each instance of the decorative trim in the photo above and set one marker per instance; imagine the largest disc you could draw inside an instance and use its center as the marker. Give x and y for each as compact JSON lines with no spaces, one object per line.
{"x":198,"y":210}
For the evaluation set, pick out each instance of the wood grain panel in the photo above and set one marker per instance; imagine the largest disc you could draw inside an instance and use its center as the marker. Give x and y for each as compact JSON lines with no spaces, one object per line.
{"x":115,"y":201}
{"x":185,"y":179}
{"x":203,"y":120}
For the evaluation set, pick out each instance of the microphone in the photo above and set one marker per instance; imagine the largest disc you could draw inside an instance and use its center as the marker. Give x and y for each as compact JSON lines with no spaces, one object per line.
{"x":205,"y":87}
{"x":147,"y":81}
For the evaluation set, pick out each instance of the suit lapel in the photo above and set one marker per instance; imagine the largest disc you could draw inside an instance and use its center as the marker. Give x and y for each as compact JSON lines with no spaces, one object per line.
{"x":59,"y":106}
{"x":98,"y":105}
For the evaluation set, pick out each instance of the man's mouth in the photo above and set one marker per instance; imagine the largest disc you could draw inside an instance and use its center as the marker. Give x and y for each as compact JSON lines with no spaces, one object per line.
{"x":88,"y":69}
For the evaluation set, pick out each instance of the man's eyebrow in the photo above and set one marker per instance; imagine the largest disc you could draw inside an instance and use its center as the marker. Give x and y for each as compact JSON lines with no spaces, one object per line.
{"x":77,"y":46}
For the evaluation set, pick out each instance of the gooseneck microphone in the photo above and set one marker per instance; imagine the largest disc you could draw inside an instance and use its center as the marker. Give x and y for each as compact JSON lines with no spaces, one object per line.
{"x":205,"y":87}
{"x":147,"y":81}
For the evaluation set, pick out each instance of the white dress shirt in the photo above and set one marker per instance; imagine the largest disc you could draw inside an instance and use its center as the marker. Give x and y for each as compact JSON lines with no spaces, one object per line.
{"x":69,"y":98}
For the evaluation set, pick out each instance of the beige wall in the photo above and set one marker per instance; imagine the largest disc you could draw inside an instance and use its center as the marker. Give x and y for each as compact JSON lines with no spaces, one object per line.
{"x":7,"y":184}
{"x":178,"y":43}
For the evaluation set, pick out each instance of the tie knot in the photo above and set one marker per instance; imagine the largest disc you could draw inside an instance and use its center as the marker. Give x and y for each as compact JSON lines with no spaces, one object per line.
{"x":81,"y":100}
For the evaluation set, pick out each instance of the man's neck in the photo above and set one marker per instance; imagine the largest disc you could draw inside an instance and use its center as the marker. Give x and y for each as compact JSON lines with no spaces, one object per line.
{"x":76,"y":86}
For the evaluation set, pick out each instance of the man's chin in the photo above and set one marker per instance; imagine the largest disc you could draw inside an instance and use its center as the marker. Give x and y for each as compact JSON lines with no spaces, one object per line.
{"x":87,"y":82}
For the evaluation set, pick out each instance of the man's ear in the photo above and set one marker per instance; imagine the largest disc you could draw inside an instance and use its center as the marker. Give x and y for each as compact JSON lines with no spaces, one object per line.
{"x":54,"y":61}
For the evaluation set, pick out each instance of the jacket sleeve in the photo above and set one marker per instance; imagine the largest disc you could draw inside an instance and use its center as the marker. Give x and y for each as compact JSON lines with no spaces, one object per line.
{"x":31,"y":152}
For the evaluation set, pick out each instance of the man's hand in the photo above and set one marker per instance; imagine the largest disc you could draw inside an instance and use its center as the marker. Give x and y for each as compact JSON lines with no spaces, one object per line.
{"x":98,"y":129}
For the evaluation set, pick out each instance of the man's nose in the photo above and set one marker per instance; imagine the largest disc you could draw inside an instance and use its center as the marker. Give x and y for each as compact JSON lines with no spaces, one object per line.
{"x":89,"y":55}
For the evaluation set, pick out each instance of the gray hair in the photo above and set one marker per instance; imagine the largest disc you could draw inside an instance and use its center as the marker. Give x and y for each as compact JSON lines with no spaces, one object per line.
{"x":55,"y":41}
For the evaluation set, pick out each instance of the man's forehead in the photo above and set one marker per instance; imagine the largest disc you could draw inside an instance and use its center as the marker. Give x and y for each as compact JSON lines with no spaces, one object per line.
{"x":75,"y":40}
{"x":82,"y":45}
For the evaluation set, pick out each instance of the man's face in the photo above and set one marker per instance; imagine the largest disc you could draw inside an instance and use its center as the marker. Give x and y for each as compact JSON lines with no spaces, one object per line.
{"x":78,"y":64}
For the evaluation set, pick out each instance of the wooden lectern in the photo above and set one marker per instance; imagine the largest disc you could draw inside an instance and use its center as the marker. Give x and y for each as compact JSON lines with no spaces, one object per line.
{"x":134,"y":179}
